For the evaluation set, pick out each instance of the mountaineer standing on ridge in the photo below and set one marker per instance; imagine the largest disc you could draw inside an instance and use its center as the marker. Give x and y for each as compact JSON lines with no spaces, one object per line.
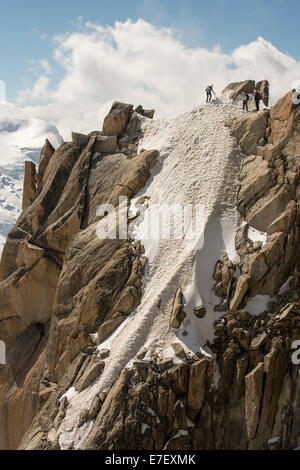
{"x":257,"y":98}
{"x":209,"y":90}
{"x":295,"y":97}
{"x":246,"y":98}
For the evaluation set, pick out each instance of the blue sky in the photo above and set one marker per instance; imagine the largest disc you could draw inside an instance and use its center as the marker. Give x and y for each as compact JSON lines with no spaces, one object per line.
{"x":27,"y":27}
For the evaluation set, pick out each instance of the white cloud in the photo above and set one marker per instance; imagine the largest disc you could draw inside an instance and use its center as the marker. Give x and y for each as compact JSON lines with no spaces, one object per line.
{"x":141,"y":64}
{"x":39,"y":66}
{"x":45,"y":66}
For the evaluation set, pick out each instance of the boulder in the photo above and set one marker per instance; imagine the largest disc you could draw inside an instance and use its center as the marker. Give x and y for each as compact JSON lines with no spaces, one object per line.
{"x":178,"y":350}
{"x":80,"y":139}
{"x":177,"y":315}
{"x":104,"y":353}
{"x":238,"y":88}
{"x":200,"y":312}
{"x":128,"y":301}
{"x":248,"y":86}
{"x":105,"y":144}
{"x":149,"y":113}
{"x":240,"y":291}
{"x":117,"y":119}
{"x":258,"y":341}
{"x":263,"y":88}
{"x":90,"y":374}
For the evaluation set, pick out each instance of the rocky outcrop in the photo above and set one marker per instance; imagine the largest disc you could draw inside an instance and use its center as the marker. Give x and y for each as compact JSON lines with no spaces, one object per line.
{"x":117,"y":119}
{"x":29,"y":189}
{"x":263,"y":88}
{"x":149,"y":113}
{"x":46,"y":154}
{"x":268,"y":196}
{"x":60,"y":282}
{"x":238,"y":88}
{"x":248,"y":86}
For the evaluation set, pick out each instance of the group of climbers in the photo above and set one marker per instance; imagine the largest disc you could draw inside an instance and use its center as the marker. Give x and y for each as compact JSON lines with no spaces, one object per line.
{"x":256,"y":96}
{"x":245,"y":96}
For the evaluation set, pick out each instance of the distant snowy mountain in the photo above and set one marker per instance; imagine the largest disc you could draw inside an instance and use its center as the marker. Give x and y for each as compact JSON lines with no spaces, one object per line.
{"x":21,"y":138}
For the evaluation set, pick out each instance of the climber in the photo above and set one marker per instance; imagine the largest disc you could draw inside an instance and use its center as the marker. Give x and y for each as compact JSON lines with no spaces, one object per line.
{"x":295,"y":97}
{"x":209,"y":90}
{"x":246,"y":98}
{"x":257,"y":98}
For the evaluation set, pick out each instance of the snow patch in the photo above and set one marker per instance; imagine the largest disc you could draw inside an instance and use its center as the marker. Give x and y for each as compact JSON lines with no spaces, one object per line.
{"x":145,"y":427}
{"x":285,"y":286}
{"x":69,"y":394}
{"x":181,"y":432}
{"x":258,"y":304}
{"x":152,"y":413}
{"x":256,"y":236}
{"x":190,"y":423}
{"x":274,"y":440}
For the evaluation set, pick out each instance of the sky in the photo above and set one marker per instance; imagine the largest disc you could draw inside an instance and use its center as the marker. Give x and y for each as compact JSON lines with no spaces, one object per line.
{"x":65,"y":60}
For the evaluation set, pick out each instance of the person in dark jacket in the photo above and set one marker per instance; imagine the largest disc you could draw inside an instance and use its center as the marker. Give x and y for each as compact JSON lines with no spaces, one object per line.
{"x":246,"y":98}
{"x":295,"y":98}
{"x":209,"y":90}
{"x":257,"y":98}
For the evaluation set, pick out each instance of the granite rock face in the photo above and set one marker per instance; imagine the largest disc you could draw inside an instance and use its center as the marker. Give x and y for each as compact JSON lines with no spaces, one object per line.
{"x":65,"y":290}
